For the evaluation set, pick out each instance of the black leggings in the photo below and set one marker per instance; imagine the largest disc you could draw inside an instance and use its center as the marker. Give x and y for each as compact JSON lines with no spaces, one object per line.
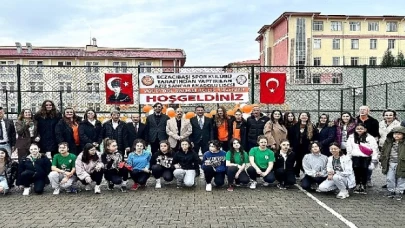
{"x":28,"y":178}
{"x":95,"y":176}
{"x":116,"y":176}
{"x":286,"y":177}
{"x":159,"y":171}
{"x":139,"y":176}
{"x":360,"y":168}
{"x":231,"y":172}
{"x":269,"y":178}
{"x":210,"y":173}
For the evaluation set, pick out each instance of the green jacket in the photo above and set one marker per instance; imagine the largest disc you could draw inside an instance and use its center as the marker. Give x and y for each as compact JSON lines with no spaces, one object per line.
{"x":386,"y":153}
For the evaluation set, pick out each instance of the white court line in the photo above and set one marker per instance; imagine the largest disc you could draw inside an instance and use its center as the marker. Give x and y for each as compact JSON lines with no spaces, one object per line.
{"x":333,"y":212}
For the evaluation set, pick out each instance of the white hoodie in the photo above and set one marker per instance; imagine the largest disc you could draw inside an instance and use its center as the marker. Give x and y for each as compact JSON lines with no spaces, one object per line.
{"x":353,"y":149}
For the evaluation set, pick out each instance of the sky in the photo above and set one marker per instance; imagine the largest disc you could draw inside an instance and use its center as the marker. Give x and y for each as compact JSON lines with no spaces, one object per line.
{"x":212,"y":33}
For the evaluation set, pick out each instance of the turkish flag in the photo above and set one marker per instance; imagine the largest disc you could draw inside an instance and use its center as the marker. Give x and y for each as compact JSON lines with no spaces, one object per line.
{"x":119,"y":89}
{"x":272,"y":88}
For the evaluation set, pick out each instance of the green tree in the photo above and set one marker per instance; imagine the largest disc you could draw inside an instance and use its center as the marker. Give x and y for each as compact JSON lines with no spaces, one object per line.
{"x":400,"y":60}
{"x":388,"y":59}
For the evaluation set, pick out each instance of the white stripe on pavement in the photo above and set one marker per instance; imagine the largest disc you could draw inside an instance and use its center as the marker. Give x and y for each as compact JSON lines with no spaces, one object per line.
{"x":333,"y":212}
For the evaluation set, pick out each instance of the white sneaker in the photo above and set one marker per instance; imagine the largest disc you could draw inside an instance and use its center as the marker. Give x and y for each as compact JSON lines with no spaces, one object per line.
{"x":26,"y":191}
{"x":87,"y":187}
{"x":97,"y":189}
{"x":265,"y":184}
{"x":208,"y":188}
{"x":158,"y":185}
{"x":56,"y":191}
{"x":343,"y":194}
{"x":253,"y":185}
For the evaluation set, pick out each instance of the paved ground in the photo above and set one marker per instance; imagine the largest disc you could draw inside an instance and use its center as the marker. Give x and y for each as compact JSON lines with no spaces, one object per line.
{"x":171,"y":207}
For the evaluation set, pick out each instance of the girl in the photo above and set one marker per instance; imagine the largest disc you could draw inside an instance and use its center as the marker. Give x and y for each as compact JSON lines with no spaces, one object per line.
{"x":289,"y":120}
{"x":236,"y":161}
{"x":115,"y":172}
{"x":34,"y":169}
{"x":67,"y":130}
{"x":89,"y":129}
{"x":314,"y":165}
{"x":392,"y":155}
{"x":8,"y":171}
{"x":89,"y":167}
{"x":27,"y":131}
{"x":345,"y":126}
{"x":213,"y":165}
{"x":327,"y":133}
{"x":390,"y":122}
{"x":275,"y":131}
{"x":138,"y":163}
{"x":284,"y":166}
{"x":238,"y":125}
{"x":162,"y":163}
{"x":261,"y":163}
{"x":186,"y":163}
{"x":340,"y":173}
{"x":222,"y":128}
{"x":362,"y":148}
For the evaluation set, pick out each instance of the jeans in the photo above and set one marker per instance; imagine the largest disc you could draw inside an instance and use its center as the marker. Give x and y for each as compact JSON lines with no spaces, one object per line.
{"x":159,"y":171}
{"x":337,"y":182}
{"x":210,"y":173}
{"x":95,"y":176}
{"x":185,"y":176}
{"x":307,"y":181}
{"x":269,"y":178}
{"x":394,"y":184}
{"x":231,"y":172}
{"x":139,"y":177}
{"x":285,"y":177}
{"x":116,"y":176}
{"x":28,"y":178}
{"x":55,"y":178}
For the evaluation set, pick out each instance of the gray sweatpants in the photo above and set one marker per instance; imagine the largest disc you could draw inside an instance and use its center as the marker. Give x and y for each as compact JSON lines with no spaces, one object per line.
{"x":55,"y":178}
{"x":337,"y":182}
{"x":185,"y":176}
{"x":394,"y":184}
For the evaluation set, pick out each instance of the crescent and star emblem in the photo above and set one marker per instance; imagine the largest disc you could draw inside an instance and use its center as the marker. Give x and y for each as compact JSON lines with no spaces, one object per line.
{"x":112,"y":79}
{"x":272,"y":90}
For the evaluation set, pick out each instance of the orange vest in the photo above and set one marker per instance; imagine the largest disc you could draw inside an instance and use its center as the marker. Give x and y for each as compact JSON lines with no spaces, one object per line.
{"x":76,"y":134}
{"x":223,"y":132}
{"x":236,"y":132}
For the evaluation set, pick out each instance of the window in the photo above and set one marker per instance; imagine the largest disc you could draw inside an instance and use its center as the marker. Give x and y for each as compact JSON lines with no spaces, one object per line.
{"x":317,"y":26}
{"x":392,"y":27}
{"x":119,"y":69}
{"x":13,"y":108}
{"x":65,"y":87}
{"x":67,"y":63}
{"x":34,"y":107}
{"x":317,"y":61}
{"x":372,"y":61}
{"x":336,"y":44}
{"x":316,"y":78}
{"x":354,"y":61}
{"x":337,"y":78}
{"x":373,"y":43}
{"x":95,"y":106}
{"x":355,"y":43}
{"x":37,"y":87}
{"x":35,"y":66}
{"x":145,"y":67}
{"x":336,"y":26}
{"x":373,"y":26}
{"x":92,"y":67}
{"x":354,"y":26}
{"x":391,"y":43}
{"x":317,"y":43}
{"x":3,"y":65}
{"x":335,"y":61}
{"x":11,"y":86}
{"x":4,"y":86}
{"x":93,"y":87}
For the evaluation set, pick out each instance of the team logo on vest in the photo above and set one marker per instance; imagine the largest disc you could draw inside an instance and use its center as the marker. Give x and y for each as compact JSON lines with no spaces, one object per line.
{"x":266,"y":157}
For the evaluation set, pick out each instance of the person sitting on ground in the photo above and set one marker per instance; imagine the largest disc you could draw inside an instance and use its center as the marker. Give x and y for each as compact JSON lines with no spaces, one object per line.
{"x":139,"y":163}
{"x":89,"y":167}
{"x":314,"y":165}
{"x":162,"y":163}
{"x":284,"y":166}
{"x":213,"y":165}
{"x":236,"y":162}
{"x":186,"y":163}
{"x":8,"y":171}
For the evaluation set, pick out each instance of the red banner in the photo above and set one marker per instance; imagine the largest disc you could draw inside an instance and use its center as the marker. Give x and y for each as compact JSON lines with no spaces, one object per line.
{"x":272,"y":88}
{"x":119,"y":89}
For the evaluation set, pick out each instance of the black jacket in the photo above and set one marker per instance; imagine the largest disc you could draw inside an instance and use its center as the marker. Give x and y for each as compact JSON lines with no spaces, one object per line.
{"x":289,"y":163}
{"x":243,"y":132}
{"x":119,"y":134}
{"x":41,"y":167}
{"x":300,"y":149}
{"x":187,"y":161}
{"x":88,"y":132}
{"x":156,"y":131}
{"x":46,"y":130}
{"x":64,"y":133}
{"x":11,"y":134}
{"x":10,"y":172}
{"x":132,"y":135}
{"x":206,"y":134}
{"x":326,"y":137}
{"x":372,"y":125}
{"x":165,"y":160}
{"x":255,"y":127}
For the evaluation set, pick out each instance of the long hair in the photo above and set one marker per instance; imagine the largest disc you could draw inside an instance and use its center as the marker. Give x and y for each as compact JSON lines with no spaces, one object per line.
{"x":309,"y":125}
{"x":340,"y":120}
{"x":221,"y":119}
{"x":7,"y":158}
{"x":86,"y":157}
{"x":233,"y":151}
{"x":338,"y":146}
{"x":68,"y":121}
{"x":21,"y":115}
{"x":44,"y":113}
{"x":90,"y":110}
{"x":360,"y":138}
{"x":286,"y":122}
{"x":280,"y":121}
{"x":319,"y":120}
{"x":107,"y":142}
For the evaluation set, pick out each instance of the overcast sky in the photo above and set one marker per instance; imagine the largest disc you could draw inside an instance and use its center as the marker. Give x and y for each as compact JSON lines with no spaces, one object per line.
{"x":211,"y":32}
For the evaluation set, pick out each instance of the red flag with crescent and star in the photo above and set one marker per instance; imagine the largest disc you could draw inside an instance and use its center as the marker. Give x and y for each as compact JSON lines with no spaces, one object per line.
{"x":272,"y":88}
{"x":119,"y":89}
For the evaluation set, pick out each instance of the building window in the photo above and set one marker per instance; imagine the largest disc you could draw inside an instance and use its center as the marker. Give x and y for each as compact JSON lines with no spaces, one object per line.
{"x":392,"y":26}
{"x":3,"y":65}
{"x":65,"y":87}
{"x":373,"y":26}
{"x":300,"y":49}
{"x":317,"y":25}
{"x":37,"y":87}
{"x":336,"y":26}
{"x":355,"y":43}
{"x":92,"y":67}
{"x":391,"y":43}
{"x":4,"y":86}
{"x":317,"y":43}
{"x":317,"y":61}
{"x":34,"y":108}
{"x":373,"y":43}
{"x":372,"y":61}
{"x":13,"y":108}
{"x":120,"y":67}
{"x":316,"y":78}
{"x":95,"y":106}
{"x":354,"y":61}
{"x":145,"y":67}
{"x":337,"y":78}
{"x":354,"y":26}
{"x":93,"y":87}
{"x":335,"y":61}
{"x":336,"y":44}
{"x":66,"y":63}
{"x":35,"y":67}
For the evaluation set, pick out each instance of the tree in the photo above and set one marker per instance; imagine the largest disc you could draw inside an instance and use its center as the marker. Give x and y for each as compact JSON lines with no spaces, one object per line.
{"x":400,"y":60}
{"x":388,"y":59}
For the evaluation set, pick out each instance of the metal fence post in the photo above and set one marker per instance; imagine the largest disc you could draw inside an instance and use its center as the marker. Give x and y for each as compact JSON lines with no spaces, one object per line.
{"x":365,"y":85}
{"x":7,"y":103}
{"x":252,"y":86}
{"x":341,"y":100}
{"x":386,"y":95}
{"x":354,"y":101}
{"x":319,"y":102}
{"x":19,"y":99}
{"x":61,"y":100}
{"x":139,"y":92}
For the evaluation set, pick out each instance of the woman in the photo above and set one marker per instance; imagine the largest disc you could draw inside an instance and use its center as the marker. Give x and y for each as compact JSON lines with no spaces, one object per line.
{"x":345,"y":126}
{"x":213,"y":165}
{"x":284,"y":166}
{"x":89,"y":168}
{"x":362,"y":148}
{"x":139,"y":163}
{"x":300,"y":136}
{"x":238,"y":125}
{"x":89,"y":129}
{"x":115,"y":171}
{"x":327,"y":133}
{"x":27,"y":132}
{"x":67,"y":130}
{"x":186,"y":163}
{"x":289,"y":120}
{"x":275,"y":131}
{"x":47,"y":118}
{"x":8,"y":171}
{"x":340,"y":173}
{"x":314,"y":165}
{"x":387,"y":124}
{"x":162,"y":163}
{"x":261,"y":163}
{"x":236,"y":162}
{"x":34,"y":169}
{"x":222,"y":128}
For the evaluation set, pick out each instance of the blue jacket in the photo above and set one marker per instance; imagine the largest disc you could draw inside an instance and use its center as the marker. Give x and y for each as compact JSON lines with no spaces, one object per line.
{"x":139,"y":162}
{"x":216,"y":160}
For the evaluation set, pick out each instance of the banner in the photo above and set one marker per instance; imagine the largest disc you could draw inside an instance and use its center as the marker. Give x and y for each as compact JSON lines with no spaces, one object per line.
{"x":119,"y":89}
{"x":272,"y":88}
{"x":189,"y":88}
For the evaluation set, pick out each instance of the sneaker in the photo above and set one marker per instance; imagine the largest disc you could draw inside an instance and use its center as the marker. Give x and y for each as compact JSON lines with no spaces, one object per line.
{"x":281,"y":186}
{"x":56,"y":191}
{"x":208,"y":187}
{"x":370,"y":184}
{"x":390,"y":195}
{"x":342,"y":194}
{"x":26,"y":191}
{"x":97,"y":189}
{"x":230,"y":188}
{"x":123,"y":188}
{"x":253,"y":185}
{"x":110,"y":186}
{"x":135,"y":187}
{"x":72,"y":190}
{"x":158,"y":184}
{"x":265,"y":184}
{"x":314,"y":186}
{"x":398,"y":197}
{"x":357,"y":189}
{"x":87,"y":188}
{"x":363,"y":190}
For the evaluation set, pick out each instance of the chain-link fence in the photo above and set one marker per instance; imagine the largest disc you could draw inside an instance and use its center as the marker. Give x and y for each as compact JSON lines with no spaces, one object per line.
{"x":313,"y":89}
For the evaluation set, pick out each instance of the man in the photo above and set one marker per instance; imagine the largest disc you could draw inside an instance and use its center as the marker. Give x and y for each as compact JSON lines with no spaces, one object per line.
{"x":155,"y":130}
{"x":255,"y":126}
{"x":115,"y":129}
{"x":178,"y":128}
{"x":118,"y":97}
{"x":202,"y":130}
{"x":7,"y":133}
{"x":136,"y":130}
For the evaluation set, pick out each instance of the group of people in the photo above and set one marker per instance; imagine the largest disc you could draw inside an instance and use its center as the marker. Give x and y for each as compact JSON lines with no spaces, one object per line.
{"x":327,"y":155}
